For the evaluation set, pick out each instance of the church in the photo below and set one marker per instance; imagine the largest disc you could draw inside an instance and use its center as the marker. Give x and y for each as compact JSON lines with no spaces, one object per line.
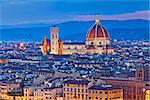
{"x":97,"y":41}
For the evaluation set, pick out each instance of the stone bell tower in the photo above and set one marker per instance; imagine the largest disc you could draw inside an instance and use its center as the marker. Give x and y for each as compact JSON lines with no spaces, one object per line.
{"x":54,"y":39}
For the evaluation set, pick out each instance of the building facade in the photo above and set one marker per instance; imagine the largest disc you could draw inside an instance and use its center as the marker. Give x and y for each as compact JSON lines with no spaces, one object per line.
{"x":86,"y":90}
{"x":105,"y":92}
{"x":75,"y":90}
{"x":134,"y":88}
{"x":5,"y":88}
{"x":36,"y":93}
{"x":97,"y":41}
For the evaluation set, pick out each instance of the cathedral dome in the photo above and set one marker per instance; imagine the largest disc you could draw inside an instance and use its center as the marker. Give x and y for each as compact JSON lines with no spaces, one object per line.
{"x":97,"y":31}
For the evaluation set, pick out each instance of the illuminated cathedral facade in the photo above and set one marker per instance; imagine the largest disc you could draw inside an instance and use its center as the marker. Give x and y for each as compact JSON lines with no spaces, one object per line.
{"x":97,"y":41}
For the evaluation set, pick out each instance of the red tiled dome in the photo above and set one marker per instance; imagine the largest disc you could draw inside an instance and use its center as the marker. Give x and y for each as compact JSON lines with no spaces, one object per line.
{"x":96,"y":31}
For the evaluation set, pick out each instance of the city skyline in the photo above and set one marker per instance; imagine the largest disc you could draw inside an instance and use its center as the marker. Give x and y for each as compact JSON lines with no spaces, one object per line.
{"x":54,"y":50}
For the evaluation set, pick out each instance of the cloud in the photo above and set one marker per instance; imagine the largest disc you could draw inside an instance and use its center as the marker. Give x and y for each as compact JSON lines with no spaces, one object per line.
{"x":127,"y":16}
{"x":13,"y":2}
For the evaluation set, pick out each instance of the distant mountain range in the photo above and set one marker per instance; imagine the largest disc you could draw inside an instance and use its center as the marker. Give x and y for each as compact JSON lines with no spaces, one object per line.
{"x":76,"y":30}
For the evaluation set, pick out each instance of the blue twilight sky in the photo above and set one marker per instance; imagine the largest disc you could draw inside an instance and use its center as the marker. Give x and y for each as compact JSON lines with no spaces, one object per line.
{"x":14,"y":12}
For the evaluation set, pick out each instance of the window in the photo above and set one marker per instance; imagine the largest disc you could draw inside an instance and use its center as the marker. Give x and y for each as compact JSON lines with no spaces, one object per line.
{"x":67,"y":89}
{"x":53,"y":36}
{"x":78,"y":95}
{"x":56,"y":35}
{"x":86,"y":96}
{"x":78,"y":90}
{"x":74,"y":90}
{"x":100,"y":92}
{"x":86,"y":90}
{"x":82,"y":96}
{"x":64,"y":94}
{"x":82,"y":90}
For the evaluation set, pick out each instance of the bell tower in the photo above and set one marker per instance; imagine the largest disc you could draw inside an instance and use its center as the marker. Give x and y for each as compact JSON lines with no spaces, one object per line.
{"x":54,"y":39}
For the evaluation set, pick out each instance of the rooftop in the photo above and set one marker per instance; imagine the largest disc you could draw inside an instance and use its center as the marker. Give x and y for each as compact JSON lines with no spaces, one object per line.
{"x":102,"y":87}
{"x":77,"y":82}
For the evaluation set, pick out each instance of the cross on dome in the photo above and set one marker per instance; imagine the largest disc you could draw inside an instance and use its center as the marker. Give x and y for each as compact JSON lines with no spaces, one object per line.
{"x":97,"y":20}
